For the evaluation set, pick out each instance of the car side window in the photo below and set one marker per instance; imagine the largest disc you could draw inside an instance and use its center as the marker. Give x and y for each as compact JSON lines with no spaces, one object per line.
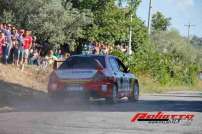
{"x":114,"y":64}
{"x":121,"y":66}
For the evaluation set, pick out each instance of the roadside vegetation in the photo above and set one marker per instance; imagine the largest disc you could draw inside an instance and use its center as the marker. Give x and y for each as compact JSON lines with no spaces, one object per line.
{"x":164,"y":59}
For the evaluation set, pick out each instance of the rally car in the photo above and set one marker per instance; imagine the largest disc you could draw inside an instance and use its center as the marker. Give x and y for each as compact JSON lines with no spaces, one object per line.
{"x":95,"y":76}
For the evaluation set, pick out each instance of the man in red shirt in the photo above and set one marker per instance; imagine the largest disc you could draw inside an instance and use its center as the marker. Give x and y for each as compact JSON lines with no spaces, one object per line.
{"x":27,"y":45}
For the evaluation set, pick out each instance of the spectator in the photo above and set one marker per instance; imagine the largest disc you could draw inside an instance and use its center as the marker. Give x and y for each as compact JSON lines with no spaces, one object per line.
{"x":27,"y":44}
{"x":96,"y":49}
{"x":51,"y":58}
{"x":34,"y":58}
{"x":103,"y":50}
{"x":20,"y":40}
{"x":1,"y":27}
{"x":58,"y":54}
{"x":7,"y":32}
{"x":2,"y":43}
{"x":123,"y":48}
{"x":15,"y":50}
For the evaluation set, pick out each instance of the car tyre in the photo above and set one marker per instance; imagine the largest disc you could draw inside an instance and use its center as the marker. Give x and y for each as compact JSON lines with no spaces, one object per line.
{"x":114,"y":97}
{"x":135,"y":93}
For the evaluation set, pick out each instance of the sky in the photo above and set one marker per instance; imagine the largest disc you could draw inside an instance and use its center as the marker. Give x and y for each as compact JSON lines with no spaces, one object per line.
{"x":182,"y":12}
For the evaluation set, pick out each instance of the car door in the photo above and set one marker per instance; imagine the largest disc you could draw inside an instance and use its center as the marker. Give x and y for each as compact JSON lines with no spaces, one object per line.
{"x":116,"y":73}
{"x":125,"y":76}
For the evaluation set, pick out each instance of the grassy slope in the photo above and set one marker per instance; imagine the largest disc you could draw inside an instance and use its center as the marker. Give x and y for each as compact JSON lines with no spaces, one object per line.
{"x":17,"y":84}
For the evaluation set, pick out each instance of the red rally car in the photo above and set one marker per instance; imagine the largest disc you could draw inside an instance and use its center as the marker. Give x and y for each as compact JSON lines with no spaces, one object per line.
{"x":97,"y":76}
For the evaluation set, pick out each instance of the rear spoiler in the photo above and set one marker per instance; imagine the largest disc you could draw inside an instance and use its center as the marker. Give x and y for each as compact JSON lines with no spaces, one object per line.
{"x":56,"y":64}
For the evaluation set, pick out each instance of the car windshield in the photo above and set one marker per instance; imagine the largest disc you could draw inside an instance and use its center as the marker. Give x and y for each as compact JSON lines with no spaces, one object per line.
{"x":82,"y":62}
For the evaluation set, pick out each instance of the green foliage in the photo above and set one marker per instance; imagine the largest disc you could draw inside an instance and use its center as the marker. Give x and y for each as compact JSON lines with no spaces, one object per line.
{"x":169,"y":58}
{"x":160,"y":22}
{"x":111,"y":22}
{"x":196,"y":42}
{"x":7,"y":17}
{"x":48,"y":19}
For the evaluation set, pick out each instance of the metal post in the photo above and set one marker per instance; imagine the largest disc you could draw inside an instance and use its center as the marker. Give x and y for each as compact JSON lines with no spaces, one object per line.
{"x":149,"y":17}
{"x":130,"y":36}
{"x":188,"y":30}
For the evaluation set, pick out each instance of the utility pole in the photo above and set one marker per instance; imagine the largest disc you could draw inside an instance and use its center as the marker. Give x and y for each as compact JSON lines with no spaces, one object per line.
{"x":149,"y":17}
{"x":130,"y":29}
{"x":188,"y":30}
{"x":130,"y":36}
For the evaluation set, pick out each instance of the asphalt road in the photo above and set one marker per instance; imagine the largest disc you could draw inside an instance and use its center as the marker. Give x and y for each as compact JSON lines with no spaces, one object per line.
{"x":41,"y":116}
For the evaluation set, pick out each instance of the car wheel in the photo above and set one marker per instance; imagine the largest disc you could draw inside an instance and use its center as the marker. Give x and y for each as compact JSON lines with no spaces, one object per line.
{"x":135,"y":92}
{"x":114,"y":97}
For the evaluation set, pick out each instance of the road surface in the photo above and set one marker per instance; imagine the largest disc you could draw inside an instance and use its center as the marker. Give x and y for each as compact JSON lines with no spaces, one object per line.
{"x":40,"y":116}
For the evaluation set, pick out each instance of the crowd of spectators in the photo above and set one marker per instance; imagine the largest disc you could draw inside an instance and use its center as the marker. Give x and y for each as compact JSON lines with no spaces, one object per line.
{"x":19,"y":47}
{"x":102,"y":48}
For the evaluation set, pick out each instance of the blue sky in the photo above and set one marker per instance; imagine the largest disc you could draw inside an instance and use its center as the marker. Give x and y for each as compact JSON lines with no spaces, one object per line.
{"x":182,"y":12}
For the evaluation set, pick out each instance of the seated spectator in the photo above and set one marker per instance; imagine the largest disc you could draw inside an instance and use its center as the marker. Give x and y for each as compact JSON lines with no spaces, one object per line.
{"x":34,"y":58}
{"x":58,"y":54}
{"x":50,"y":57}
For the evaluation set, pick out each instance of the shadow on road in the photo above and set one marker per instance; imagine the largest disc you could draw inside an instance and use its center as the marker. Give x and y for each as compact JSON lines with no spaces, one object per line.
{"x":141,"y":105}
{"x":10,"y":92}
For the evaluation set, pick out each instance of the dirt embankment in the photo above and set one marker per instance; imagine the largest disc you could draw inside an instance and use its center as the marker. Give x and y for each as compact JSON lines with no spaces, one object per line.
{"x":19,"y":85}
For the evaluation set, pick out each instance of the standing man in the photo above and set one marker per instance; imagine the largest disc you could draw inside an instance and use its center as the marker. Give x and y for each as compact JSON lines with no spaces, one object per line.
{"x":27,"y":45}
{"x":8,"y":43}
{"x":20,"y":40}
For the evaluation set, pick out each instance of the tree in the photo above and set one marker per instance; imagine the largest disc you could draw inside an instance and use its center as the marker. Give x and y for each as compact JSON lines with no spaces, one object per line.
{"x":111,"y":22}
{"x":160,"y":22}
{"x":48,"y":19}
